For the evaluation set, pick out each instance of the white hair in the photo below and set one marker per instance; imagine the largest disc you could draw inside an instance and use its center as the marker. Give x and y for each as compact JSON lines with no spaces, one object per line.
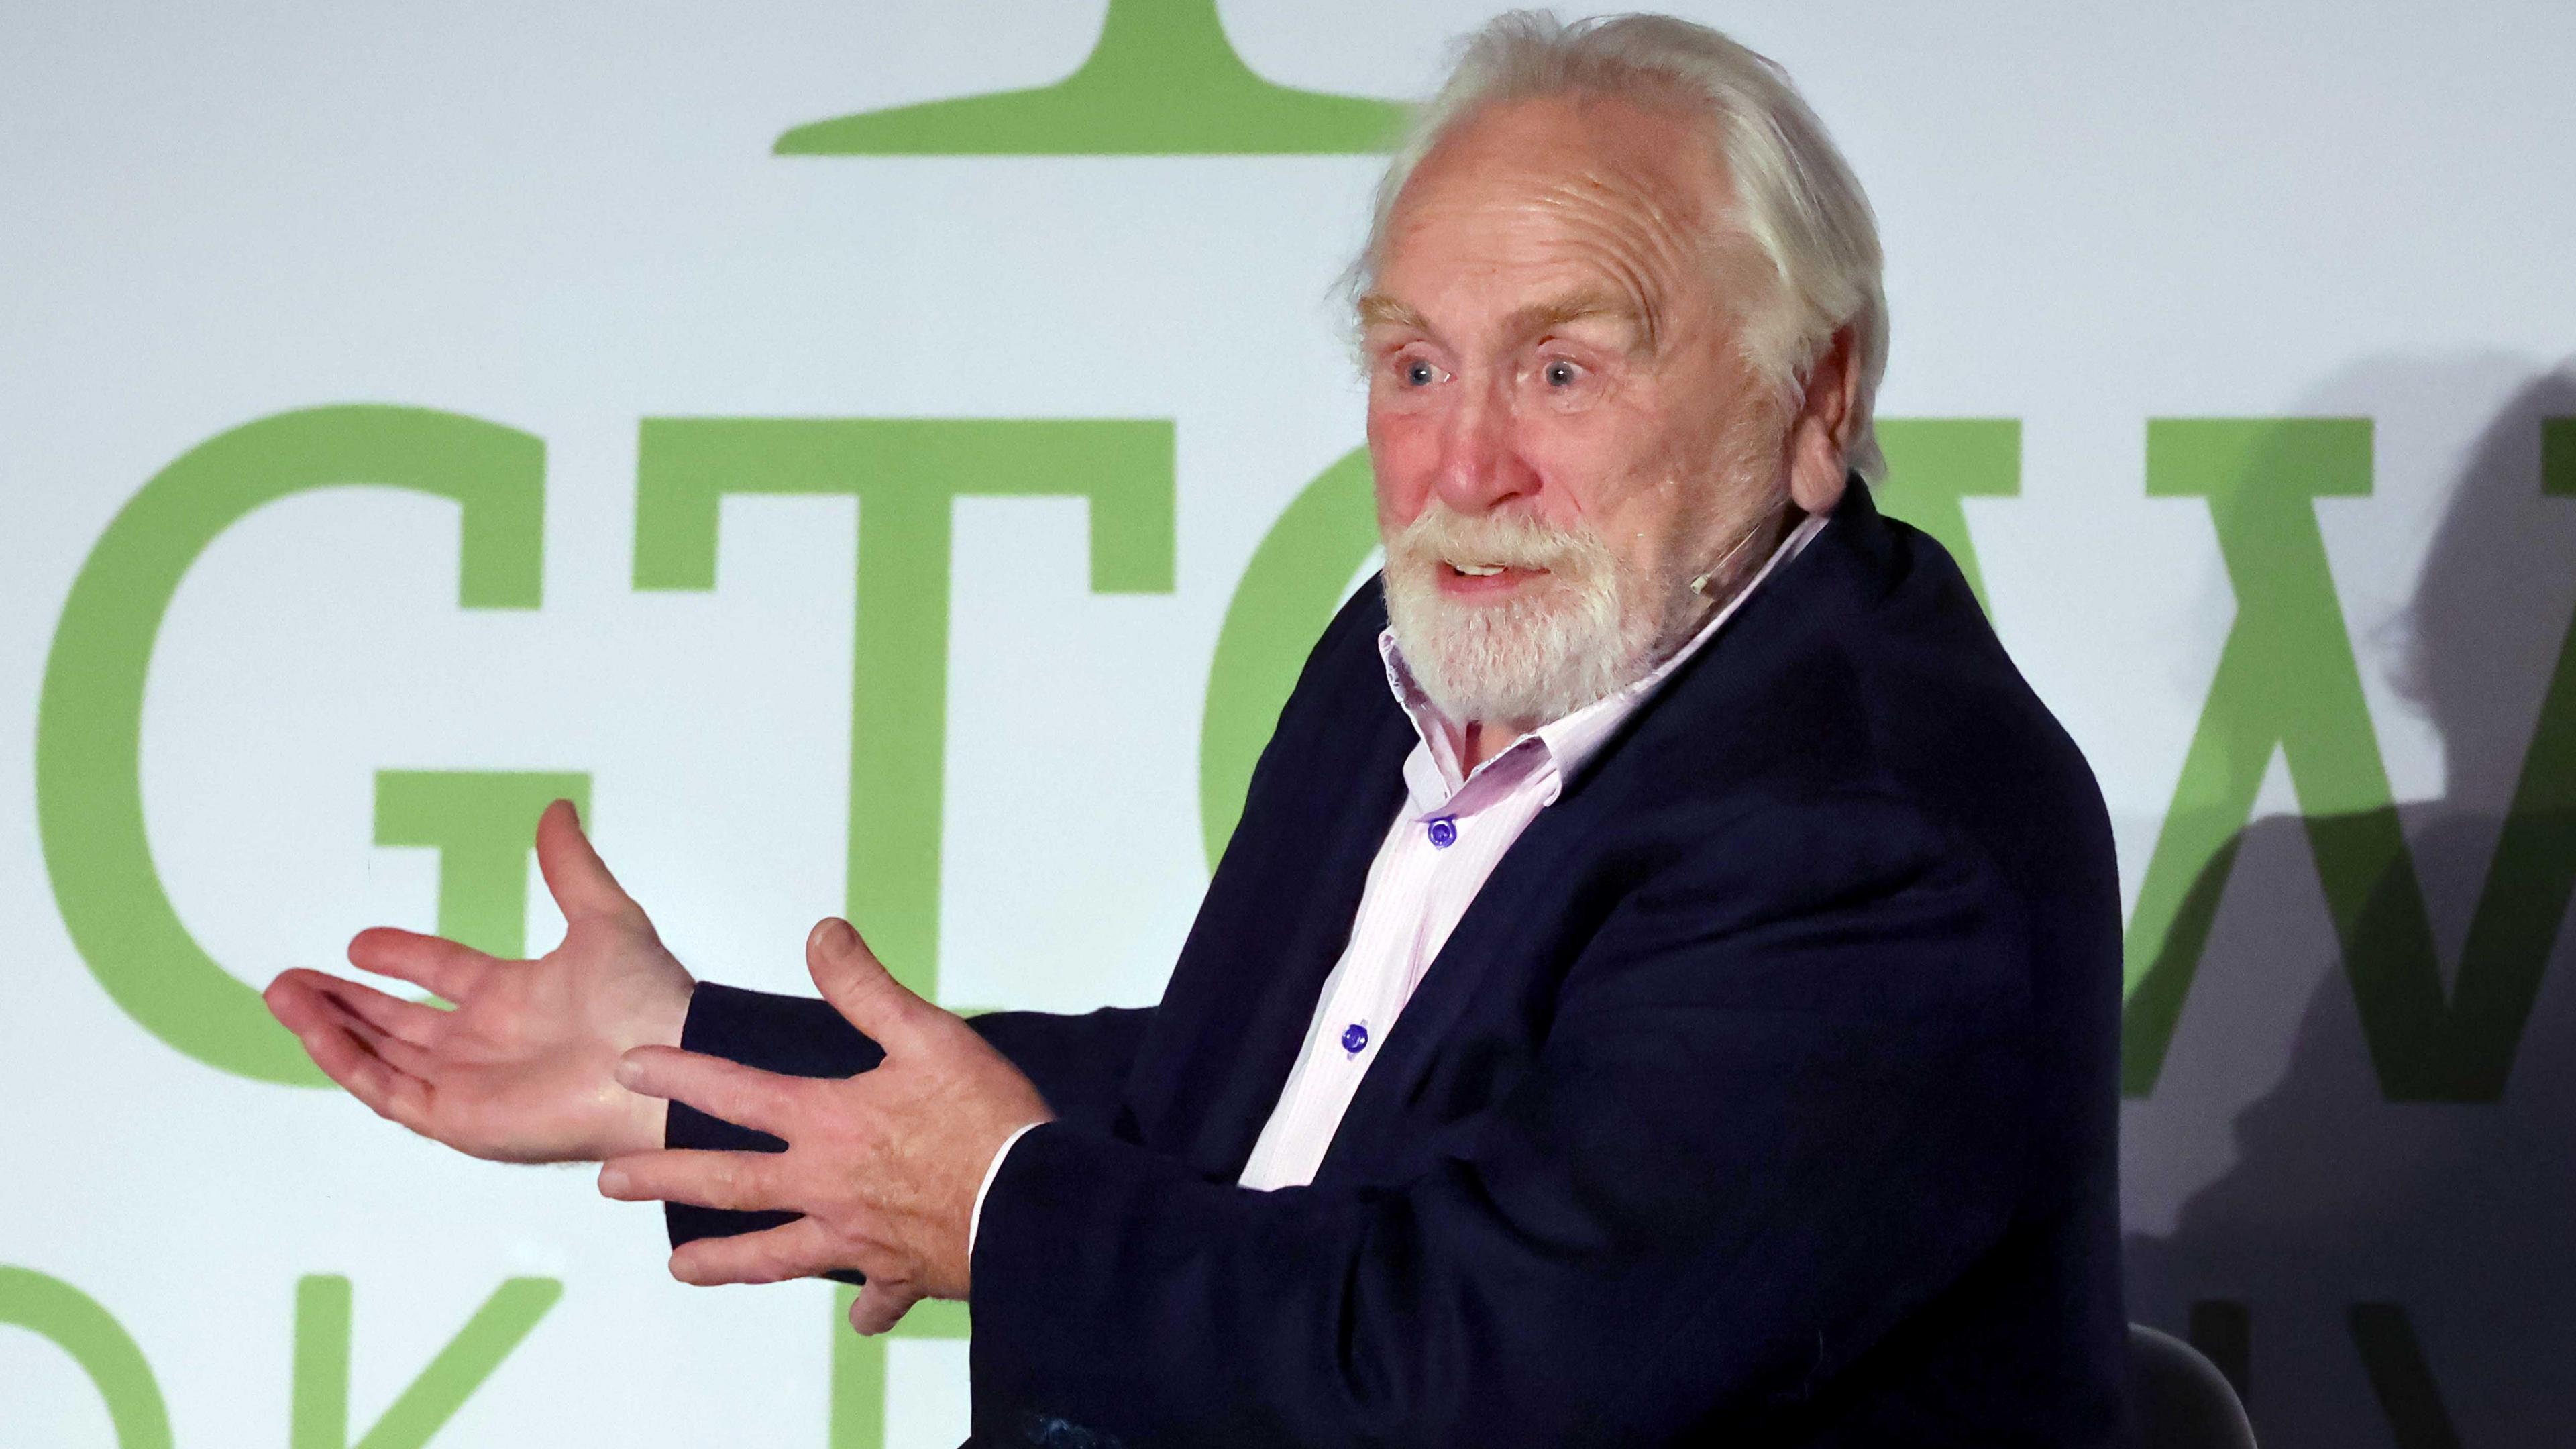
{"x":1795,"y":197}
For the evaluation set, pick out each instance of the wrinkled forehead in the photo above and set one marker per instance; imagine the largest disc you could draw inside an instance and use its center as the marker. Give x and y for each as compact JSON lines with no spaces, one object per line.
{"x":1567,"y":184}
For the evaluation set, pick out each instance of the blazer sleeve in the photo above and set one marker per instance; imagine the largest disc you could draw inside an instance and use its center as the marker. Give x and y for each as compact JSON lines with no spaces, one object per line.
{"x":1079,"y":1064}
{"x":1776,"y":1112}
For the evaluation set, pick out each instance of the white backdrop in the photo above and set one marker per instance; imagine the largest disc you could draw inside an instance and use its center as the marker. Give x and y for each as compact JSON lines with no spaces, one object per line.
{"x":568,"y":219}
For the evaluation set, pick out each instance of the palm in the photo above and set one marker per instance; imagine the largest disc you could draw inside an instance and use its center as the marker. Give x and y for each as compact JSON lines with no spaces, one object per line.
{"x":525,"y":1064}
{"x":523,"y":1068}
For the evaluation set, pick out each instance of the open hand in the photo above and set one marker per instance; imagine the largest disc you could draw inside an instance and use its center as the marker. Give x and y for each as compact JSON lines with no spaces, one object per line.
{"x":884,"y":1165}
{"x":524,"y":1068}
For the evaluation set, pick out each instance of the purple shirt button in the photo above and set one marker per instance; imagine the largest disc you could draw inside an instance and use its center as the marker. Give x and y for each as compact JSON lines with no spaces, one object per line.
{"x":1354,"y":1038}
{"x":1444,"y":833}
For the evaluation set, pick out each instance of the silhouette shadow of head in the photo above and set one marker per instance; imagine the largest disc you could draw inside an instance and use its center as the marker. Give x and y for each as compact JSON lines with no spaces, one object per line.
{"x":2392,"y":1253}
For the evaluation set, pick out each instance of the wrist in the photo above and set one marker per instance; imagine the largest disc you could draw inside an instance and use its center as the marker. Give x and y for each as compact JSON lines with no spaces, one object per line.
{"x":645,"y":1126}
{"x":645,"y":1121}
{"x":661,"y":1016}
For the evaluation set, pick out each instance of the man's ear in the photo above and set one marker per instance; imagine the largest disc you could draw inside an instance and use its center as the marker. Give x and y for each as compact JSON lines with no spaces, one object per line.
{"x":1820,"y":434}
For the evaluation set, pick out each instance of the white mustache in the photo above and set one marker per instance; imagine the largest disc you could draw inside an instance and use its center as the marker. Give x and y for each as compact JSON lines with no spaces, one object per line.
{"x":1440,"y":534}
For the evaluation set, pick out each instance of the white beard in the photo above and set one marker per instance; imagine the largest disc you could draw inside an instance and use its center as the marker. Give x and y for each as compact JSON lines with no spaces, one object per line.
{"x":1591,"y":626}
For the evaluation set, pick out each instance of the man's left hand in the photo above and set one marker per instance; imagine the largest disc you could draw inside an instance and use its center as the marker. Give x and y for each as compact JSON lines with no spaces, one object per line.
{"x":884,"y":1165}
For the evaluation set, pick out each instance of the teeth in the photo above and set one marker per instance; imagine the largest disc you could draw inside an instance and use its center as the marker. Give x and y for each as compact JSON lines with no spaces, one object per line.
{"x":1477,"y":570}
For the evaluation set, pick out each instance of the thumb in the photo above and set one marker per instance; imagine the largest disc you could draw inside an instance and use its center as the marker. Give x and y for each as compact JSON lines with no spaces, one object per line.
{"x":858,"y":985}
{"x":575,"y":875}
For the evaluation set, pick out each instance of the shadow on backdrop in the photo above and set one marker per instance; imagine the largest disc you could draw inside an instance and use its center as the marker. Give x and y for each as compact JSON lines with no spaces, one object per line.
{"x":2385,"y":1252}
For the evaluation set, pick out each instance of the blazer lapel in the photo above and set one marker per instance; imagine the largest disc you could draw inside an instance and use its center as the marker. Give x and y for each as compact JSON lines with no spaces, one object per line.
{"x":1277,"y":919}
{"x":1511,"y":928}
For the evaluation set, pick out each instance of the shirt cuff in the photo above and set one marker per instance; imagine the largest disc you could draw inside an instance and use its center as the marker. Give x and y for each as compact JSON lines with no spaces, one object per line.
{"x":993,"y":1169}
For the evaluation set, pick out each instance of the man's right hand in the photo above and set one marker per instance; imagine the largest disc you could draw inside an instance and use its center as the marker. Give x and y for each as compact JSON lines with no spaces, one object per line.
{"x":524,"y":1068}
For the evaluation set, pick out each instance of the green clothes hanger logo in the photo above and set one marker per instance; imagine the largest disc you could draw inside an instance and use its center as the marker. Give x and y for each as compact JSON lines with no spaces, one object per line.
{"x":1163,"y":81}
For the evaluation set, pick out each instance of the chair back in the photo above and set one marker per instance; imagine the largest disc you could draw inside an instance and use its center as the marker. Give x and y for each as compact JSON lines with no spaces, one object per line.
{"x":2178,"y":1399}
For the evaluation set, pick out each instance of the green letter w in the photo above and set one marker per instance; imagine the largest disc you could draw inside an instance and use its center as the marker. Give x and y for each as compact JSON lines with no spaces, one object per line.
{"x":2287,"y":682}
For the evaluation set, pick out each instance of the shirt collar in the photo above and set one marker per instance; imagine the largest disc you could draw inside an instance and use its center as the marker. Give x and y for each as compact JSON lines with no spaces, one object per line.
{"x":1555,"y":750}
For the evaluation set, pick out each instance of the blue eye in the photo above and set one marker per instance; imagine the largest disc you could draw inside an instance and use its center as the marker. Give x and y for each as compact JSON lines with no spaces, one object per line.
{"x":1418,"y":373}
{"x":1559,"y":374}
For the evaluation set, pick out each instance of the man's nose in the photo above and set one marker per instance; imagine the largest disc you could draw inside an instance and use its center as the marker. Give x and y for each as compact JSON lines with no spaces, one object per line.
{"x":1480,"y":461}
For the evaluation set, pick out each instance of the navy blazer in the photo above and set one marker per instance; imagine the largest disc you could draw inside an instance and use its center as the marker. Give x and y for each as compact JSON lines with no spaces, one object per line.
{"x":1764,"y":1095}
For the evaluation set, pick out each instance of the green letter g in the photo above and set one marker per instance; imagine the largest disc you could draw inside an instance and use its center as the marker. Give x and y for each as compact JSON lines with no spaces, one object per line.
{"x":89,"y":798}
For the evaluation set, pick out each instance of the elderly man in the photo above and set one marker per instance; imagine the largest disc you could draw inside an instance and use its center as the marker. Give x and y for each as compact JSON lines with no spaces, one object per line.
{"x":1663,"y":986}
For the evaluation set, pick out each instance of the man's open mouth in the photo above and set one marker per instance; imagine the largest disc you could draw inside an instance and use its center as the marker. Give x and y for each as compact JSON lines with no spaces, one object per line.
{"x":1479,"y":577}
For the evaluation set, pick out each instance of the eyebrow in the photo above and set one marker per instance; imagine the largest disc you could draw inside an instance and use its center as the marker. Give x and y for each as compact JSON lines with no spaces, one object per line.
{"x":1588,"y":303}
{"x":1377,"y":309}
{"x":1380,"y":310}
{"x":1544,"y":315}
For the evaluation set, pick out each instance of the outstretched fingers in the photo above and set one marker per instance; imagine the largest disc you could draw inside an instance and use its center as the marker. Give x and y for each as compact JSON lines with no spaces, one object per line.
{"x":743,"y":1182}
{"x":861,"y":989}
{"x":881,"y":1305}
{"x":801,"y":1249}
{"x":389,"y":1015}
{"x":352,"y":1053}
{"x":444,"y":966}
{"x":746,"y":1096}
